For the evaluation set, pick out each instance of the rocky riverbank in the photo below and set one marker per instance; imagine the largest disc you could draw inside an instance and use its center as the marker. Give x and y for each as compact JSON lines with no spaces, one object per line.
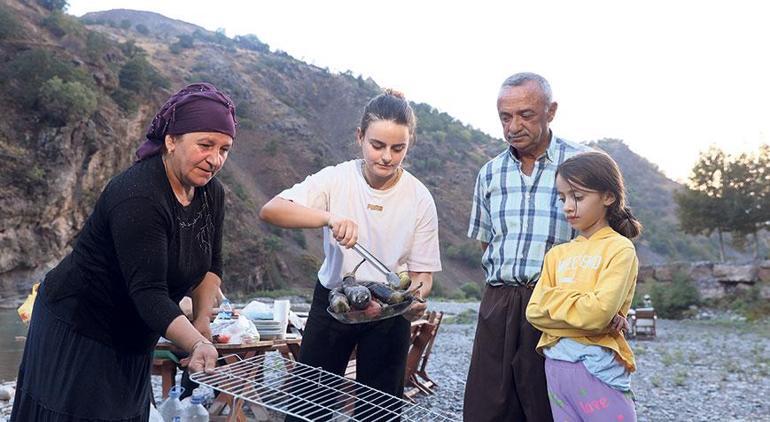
{"x":713,"y":370}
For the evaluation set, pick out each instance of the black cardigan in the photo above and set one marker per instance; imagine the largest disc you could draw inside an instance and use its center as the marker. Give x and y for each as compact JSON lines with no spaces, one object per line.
{"x":139,"y":253}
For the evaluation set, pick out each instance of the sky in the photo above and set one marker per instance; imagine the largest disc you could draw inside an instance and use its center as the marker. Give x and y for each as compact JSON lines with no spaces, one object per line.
{"x":670,"y":78}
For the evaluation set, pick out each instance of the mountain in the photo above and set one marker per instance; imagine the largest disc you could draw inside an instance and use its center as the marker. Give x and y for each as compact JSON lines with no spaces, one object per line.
{"x":78,"y":95}
{"x":155,"y":23}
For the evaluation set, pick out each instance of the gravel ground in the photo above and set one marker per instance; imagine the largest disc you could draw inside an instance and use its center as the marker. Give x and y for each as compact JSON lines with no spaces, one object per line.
{"x":714,"y":370}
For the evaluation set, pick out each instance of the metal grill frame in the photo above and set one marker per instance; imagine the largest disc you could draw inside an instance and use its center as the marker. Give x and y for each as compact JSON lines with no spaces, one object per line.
{"x":296,"y":389}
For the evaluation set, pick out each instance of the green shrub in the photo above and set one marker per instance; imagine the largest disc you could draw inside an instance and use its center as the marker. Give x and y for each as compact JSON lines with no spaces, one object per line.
{"x":62,"y":102}
{"x":134,"y":75}
{"x":747,"y":302}
{"x":458,"y":294}
{"x":125,"y":24}
{"x":9,"y":25}
{"x":273,"y":243}
{"x":184,"y":41}
{"x":468,"y":316}
{"x":138,"y":76}
{"x":125,"y":99}
{"x":309,"y":265}
{"x":142,"y":29}
{"x":467,"y":253}
{"x":175,"y":48}
{"x":96,"y":45}
{"x":61,"y":24}
{"x":26,"y":73}
{"x":673,"y":300}
{"x":438,"y":290}
{"x":471,"y":290}
{"x":299,"y":237}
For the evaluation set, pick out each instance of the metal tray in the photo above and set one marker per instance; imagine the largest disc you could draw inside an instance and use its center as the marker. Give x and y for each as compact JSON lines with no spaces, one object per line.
{"x":359,"y":317}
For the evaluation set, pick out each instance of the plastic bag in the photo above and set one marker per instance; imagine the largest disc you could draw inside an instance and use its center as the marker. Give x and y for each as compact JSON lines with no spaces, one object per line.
{"x":257,"y":310}
{"x":25,"y":310}
{"x":234,"y":331}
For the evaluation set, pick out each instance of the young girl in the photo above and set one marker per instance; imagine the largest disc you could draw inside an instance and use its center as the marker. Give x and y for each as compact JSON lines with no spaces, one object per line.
{"x":584,"y":294}
{"x":374,"y":201}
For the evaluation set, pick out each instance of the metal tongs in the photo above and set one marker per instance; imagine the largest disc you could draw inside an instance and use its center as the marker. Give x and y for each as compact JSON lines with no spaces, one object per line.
{"x":390,"y":276}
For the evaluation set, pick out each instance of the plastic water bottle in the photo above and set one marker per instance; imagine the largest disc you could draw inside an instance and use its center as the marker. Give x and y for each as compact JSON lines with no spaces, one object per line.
{"x":195,"y":412}
{"x":207,"y":394}
{"x":225,"y":309}
{"x":172,"y":407}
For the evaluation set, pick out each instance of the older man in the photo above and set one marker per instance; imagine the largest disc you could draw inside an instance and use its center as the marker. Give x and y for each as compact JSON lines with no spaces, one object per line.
{"x":517,"y":218}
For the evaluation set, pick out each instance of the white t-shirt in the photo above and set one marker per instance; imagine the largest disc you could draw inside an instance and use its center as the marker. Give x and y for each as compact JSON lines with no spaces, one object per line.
{"x":398,"y":225}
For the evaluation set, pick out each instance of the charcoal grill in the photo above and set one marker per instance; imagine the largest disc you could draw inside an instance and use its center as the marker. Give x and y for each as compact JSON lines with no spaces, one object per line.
{"x":310,"y":393}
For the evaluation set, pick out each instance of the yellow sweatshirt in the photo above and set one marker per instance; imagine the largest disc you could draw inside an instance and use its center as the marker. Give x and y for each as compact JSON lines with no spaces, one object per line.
{"x":583,"y":285}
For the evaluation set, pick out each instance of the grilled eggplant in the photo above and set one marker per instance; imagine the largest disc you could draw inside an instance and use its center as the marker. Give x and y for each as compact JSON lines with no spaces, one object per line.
{"x":384,"y":292}
{"x":338,"y":302}
{"x":358,"y":295}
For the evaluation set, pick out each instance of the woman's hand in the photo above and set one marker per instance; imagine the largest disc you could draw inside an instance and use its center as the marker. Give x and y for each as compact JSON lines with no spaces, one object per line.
{"x":344,"y":230}
{"x":202,"y":358}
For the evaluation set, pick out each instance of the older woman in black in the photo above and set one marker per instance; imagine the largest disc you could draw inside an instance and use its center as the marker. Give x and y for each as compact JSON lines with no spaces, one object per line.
{"x":154,"y":236}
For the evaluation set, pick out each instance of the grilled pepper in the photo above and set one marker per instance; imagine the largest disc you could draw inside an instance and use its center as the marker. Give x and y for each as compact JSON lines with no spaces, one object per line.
{"x":405,"y":280}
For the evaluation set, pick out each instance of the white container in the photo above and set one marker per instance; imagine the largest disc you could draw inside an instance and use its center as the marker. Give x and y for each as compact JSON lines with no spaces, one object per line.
{"x":281,"y":313}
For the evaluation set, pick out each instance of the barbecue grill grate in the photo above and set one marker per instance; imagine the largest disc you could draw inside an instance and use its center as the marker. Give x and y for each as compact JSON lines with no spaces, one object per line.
{"x":309,"y":393}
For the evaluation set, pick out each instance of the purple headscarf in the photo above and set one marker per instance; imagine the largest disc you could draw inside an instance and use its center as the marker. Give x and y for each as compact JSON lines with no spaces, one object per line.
{"x":198,"y":107}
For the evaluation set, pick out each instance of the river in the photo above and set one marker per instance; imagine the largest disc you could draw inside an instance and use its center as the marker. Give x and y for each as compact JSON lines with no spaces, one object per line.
{"x":10,"y":353}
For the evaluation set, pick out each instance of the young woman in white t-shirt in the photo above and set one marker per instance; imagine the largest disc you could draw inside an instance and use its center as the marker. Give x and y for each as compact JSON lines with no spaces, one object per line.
{"x":375,"y":202}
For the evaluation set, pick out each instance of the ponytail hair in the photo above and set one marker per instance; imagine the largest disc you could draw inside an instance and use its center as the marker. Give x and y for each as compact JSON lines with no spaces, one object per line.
{"x":391,"y":105}
{"x":598,"y":172}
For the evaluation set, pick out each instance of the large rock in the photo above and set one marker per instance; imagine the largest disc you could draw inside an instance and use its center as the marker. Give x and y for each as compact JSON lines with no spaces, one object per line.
{"x":702,"y":271}
{"x":646,"y":273}
{"x":735,"y":273}
{"x":763,"y":273}
{"x":667,"y":272}
{"x":710,"y":288}
{"x":764,"y":289}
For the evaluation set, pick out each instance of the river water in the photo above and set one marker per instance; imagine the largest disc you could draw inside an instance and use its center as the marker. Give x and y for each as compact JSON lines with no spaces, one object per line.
{"x":10,"y":348}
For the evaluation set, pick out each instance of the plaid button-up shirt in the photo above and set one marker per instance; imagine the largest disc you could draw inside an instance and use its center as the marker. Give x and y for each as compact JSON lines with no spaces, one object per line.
{"x":519,"y":216}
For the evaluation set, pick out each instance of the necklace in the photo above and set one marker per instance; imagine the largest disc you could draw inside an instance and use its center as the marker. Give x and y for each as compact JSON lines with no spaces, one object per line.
{"x":387,"y":185}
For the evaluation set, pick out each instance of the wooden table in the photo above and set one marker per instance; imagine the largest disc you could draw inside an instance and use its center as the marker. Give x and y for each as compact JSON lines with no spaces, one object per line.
{"x":229,"y":353}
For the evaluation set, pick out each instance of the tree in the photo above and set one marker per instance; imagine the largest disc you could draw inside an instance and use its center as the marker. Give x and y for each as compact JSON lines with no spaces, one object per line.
{"x":702,"y":206}
{"x":54,"y":4}
{"x":142,"y":29}
{"x":748,"y":181}
{"x":727,"y":194}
